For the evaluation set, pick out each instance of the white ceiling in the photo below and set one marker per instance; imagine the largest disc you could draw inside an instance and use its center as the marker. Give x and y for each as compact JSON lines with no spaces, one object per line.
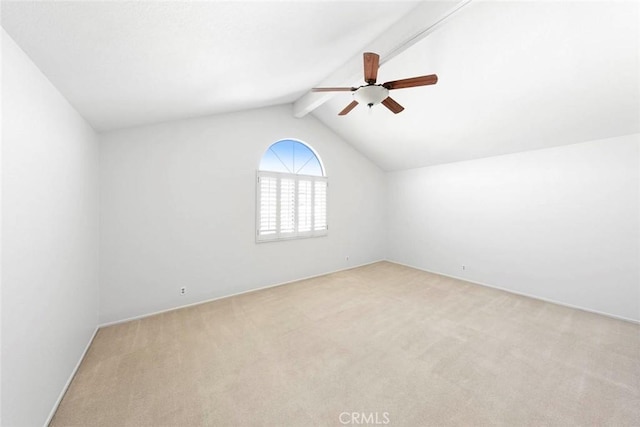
{"x":513,"y":76}
{"x":127,"y":63}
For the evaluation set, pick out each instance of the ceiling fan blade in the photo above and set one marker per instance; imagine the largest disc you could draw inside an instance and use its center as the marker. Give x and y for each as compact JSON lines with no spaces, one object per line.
{"x":333,"y":89}
{"x":392,"y":105}
{"x":371,"y":64}
{"x":348,"y":108}
{"x":414,"y":81}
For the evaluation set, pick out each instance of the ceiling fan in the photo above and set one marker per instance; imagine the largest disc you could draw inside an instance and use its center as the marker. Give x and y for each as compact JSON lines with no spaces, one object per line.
{"x":372,"y":93}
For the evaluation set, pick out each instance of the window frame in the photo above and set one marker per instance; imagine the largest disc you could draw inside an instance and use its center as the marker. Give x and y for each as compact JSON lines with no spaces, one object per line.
{"x":278,"y":235}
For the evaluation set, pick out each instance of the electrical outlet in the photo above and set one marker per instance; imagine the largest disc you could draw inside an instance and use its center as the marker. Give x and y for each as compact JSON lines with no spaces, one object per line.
{"x":346,"y":258}
{"x":464,"y":267}
{"x":183,"y":290}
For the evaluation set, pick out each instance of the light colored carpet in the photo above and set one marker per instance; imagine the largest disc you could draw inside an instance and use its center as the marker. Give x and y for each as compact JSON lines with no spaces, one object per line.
{"x":412,"y":348}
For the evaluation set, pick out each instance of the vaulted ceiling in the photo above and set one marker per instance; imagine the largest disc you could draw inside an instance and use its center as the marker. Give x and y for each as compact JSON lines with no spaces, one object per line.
{"x":123,"y":64}
{"x":513,"y":76}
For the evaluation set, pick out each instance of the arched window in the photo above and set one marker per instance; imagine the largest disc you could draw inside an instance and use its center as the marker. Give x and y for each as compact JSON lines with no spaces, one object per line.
{"x":292,"y":193}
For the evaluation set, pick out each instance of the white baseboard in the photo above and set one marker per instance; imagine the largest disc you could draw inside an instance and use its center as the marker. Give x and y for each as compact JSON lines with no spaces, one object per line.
{"x":142,"y":316}
{"x":73,"y":374}
{"x":511,"y":291}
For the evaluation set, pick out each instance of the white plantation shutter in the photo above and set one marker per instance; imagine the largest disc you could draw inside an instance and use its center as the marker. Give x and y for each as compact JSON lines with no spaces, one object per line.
{"x":287,"y":205}
{"x":320,"y":205}
{"x":291,"y":206}
{"x":305,"y":206}
{"x":267,"y":223}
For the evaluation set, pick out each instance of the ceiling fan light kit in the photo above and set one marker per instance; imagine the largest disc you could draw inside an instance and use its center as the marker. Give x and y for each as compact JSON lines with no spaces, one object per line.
{"x":372,"y":93}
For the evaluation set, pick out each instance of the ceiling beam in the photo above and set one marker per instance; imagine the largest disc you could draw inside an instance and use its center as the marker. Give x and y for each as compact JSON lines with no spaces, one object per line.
{"x":413,"y":27}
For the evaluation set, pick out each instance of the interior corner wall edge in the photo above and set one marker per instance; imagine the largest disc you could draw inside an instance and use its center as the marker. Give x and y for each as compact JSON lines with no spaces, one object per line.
{"x":178,"y":204}
{"x":561,"y":223}
{"x":49,"y":240}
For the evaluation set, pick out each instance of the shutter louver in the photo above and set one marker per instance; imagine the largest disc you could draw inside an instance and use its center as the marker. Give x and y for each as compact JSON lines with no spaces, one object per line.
{"x":320,"y":206}
{"x":305,"y":206}
{"x":268,"y":205}
{"x":287,"y":205}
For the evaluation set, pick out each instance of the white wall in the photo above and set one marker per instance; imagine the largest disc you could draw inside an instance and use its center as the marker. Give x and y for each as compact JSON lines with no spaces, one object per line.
{"x":178,"y":209}
{"x":2,"y":33}
{"x":560,"y":223}
{"x":49,"y":240}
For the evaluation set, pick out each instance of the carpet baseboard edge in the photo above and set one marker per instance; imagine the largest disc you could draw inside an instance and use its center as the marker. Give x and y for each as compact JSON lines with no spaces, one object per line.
{"x":511,"y":291}
{"x":73,"y":374}
{"x":142,"y":316}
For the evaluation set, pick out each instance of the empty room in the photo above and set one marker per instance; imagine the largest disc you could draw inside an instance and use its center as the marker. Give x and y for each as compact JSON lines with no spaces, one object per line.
{"x":320,"y":213}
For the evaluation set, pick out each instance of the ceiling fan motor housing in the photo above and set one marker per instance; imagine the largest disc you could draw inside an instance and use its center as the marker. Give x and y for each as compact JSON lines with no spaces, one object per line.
{"x":371,"y":94}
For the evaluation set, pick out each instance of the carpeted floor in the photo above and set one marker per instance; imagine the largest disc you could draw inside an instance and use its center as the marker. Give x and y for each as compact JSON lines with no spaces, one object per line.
{"x":381,"y":344}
